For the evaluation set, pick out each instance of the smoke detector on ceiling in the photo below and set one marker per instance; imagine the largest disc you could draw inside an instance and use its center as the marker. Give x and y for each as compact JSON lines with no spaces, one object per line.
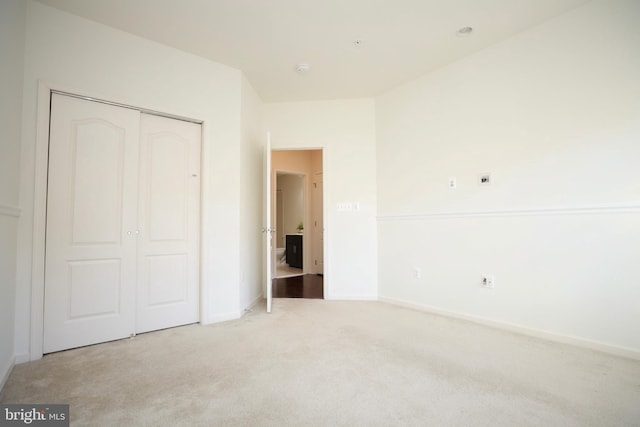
{"x":303,"y":68}
{"x":464,"y":32}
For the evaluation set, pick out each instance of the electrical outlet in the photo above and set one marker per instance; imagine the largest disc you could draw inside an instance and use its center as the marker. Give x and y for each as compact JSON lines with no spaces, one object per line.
{"x":452,"y":182}
{"x":487,"y":281}
{"x":417,"y":273}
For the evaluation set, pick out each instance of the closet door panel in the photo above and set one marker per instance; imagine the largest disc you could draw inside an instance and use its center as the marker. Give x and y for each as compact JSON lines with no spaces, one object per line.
{"x":90,"y":267}
{"x":169,"y":222}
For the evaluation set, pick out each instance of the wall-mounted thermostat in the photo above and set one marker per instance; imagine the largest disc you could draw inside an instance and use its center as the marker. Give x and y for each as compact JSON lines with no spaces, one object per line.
{"x":484,"y":179}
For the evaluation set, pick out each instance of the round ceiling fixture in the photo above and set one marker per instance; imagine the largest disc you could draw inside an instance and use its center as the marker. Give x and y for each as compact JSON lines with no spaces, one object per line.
{"x":464,"y":32}
{"x":303,"y":68}
{"x":358,"y":43}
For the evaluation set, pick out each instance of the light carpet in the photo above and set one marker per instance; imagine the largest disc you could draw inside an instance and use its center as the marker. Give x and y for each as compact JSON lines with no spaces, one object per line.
{"x":333,"y":363}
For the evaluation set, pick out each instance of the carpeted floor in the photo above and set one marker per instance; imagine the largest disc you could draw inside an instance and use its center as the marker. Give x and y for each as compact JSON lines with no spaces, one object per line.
{"x":331,"y":363}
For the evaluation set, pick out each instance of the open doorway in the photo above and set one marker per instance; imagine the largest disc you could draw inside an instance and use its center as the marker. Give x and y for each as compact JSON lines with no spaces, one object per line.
{"x":297,"y":217}
{"x":289,"y":219}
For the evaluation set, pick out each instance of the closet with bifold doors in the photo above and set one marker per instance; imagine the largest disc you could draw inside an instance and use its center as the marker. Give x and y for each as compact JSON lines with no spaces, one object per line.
{"x":123,"y":223}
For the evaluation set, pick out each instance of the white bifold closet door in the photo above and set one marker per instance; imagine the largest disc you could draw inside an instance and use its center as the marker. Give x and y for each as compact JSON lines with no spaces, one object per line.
{"x":122,"y":239}
{"x":169,"y":223}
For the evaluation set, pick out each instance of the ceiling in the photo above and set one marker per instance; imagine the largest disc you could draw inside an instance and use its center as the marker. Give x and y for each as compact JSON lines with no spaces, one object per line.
{"x":400,"y":39}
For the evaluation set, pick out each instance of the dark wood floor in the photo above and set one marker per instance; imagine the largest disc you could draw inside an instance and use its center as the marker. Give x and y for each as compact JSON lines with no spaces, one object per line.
{"x":307,"y":286}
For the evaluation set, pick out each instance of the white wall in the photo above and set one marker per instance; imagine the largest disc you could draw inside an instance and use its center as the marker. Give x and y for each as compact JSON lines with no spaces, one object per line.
{"x":251,"y":202}
{"x":12,"y":33}
{"x":81,"y":56}
{"x":345,"y":130}
{"x":554,"y":115}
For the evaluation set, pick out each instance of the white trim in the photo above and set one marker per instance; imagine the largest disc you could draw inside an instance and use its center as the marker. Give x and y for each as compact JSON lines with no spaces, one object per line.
{"x":202,"y":307}
{"x":13,"y":211}
{"x":511,"y":327}
{"x":580,"y":210}
{"x":130,"y":107}
{"x":224,"y":317}
{"x":22,"y":358}
{"x":252,"y":304}
{"x":325,"y":219}
{"x":339,"y":297}
{"x":39,"y":220}
{"x":7,"y":372}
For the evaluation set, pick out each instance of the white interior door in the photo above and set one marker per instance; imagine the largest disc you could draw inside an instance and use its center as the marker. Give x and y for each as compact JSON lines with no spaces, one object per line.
{"x":267,"y":230}
{"x":168,"y":223}
{"x":90,"y":267}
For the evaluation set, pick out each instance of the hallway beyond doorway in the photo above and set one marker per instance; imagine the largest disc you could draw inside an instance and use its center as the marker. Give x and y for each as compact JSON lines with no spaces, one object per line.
{"x":306,"y":286}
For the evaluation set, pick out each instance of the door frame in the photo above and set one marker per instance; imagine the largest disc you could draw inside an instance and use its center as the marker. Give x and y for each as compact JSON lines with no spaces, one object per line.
{"x":41,"y":172}
{"x":325,"y":245}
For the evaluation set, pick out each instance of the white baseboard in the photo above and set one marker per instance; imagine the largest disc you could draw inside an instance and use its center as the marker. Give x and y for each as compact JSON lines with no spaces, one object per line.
{"x":253,"y":303}
{"x":340,"y":297}
{"x":6,"y":372}
{"x":23,"y":358}
{"x":550,"y":336}
{"x":222,"y":318}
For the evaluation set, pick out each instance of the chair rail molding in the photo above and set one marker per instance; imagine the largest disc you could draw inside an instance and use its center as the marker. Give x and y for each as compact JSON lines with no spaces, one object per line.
{"x":7,"y":210}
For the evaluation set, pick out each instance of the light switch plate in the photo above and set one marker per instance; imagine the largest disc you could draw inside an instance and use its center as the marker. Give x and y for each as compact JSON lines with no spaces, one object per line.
{"x":344,"y":206}
{"x":348,"y":206}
